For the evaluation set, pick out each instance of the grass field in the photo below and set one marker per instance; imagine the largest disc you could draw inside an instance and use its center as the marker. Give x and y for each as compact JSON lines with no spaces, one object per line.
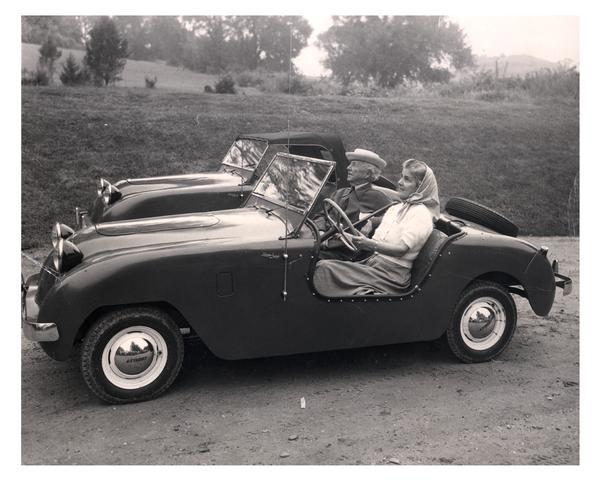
{"x":521,"y":159}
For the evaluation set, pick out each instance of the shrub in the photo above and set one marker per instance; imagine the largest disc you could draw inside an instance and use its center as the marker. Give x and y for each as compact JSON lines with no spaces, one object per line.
{"x":491,"y":96}
{"x":358,"y":89}
{"x":324,"y":86}
{"x":38,"y":77}
{"x":225,"y":85}
{"x":72,"y":74}
{"x":250,"y":78}
{"x":560,"y":82}
{"x":208,"y":89}
{"x":150,"y":82}
{"x":297,"y":85}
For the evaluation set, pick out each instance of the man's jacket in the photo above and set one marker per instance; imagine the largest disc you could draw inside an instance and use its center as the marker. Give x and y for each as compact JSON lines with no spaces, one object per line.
{"x":354,"y":201}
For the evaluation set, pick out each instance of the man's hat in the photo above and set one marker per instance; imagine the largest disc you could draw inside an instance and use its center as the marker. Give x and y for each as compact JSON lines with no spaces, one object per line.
{"x":366,"y":156}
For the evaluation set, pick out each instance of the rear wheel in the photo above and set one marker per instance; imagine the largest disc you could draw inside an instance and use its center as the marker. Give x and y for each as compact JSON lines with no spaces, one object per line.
{"x":131,"y":355}
{"x":483,"y":322}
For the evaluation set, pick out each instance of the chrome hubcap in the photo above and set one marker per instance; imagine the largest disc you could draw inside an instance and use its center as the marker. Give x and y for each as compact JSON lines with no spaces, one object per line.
{"x":482,"y":324}
{"x":134,"y":357}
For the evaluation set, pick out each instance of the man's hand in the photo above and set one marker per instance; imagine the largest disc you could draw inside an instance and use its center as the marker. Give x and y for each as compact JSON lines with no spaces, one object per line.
{"x":367,"y":228}
{"x":333,"y":242}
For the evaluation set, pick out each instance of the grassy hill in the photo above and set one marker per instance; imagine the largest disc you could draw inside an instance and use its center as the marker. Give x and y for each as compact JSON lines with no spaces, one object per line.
{"x":172,"y":78}
{"x":513,"y":65}
{"x":519,"y":158}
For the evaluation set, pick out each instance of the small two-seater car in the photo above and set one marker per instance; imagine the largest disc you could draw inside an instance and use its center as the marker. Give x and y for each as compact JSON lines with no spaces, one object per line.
{"x":242,"y":166}
{"x":242,"y":281}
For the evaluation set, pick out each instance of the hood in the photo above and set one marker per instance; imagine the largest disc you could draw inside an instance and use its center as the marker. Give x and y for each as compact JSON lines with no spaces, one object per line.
{"x":132,"y":186}
{"x":212,"y":231}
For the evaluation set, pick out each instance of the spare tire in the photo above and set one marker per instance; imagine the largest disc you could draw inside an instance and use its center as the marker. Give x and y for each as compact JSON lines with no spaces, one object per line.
{"x":484,"y":216}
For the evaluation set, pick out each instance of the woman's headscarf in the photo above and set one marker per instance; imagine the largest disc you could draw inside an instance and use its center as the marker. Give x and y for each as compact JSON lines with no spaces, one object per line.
{"x":427,"y":194}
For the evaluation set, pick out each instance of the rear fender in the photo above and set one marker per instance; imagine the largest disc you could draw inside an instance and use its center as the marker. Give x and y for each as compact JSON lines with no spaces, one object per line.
{"x":506,"y":261}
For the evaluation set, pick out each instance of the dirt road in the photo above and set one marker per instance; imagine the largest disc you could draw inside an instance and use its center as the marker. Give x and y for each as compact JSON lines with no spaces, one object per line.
{"x":406,"y":404}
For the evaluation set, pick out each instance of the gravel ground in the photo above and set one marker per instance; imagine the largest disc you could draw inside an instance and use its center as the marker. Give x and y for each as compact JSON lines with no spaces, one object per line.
{"x":404,"y":404}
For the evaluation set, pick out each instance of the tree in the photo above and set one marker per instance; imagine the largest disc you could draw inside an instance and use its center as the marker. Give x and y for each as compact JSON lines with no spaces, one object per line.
{"x":65,"y":30}
{"x":49,"y":53}
{"x":135,"y":29}
{"x":151,"y":38}
{"x":166,"y":38}
{"x":72,"y":74}
{"x":264,"y":42}
{"x":392,"y":50}
{"x":208,"y":47}
{"x":106,"y":51}
{"x":245,"y":42}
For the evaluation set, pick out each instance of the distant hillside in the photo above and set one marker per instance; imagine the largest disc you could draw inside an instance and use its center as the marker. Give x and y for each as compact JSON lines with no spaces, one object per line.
{"x":513,"y":65}
{"x":172,"y":78}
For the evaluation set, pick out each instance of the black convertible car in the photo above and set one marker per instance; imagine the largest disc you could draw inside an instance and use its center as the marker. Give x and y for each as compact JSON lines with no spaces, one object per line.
{"x":242,"y":281}
{"x":242,"y":166}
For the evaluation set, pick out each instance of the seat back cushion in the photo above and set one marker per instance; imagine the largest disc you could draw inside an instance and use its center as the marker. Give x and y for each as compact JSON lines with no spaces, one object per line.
{"x":427,"y":256}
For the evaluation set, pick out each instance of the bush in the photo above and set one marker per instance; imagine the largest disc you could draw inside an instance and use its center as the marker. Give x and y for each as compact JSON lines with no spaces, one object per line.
{"x":297,"y":85}
{"x":250,"y":78}
{"x":208,"y":89}
{"x":560,"y":82}
{"x":358,"y":89}
{"x":72,"y":74}
{"x":324,"y":86}
{"x":39,"y":77}
{"x":225,"y":85}
{"x":491,"y":96}
{"x":150,"y":82}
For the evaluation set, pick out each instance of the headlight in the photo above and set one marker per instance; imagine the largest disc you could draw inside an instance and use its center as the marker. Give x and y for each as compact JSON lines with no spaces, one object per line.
{"x":58,"y":254}
{"x":66,"y":255}
{"x":110,"y":194}
{"x":60,"y":230}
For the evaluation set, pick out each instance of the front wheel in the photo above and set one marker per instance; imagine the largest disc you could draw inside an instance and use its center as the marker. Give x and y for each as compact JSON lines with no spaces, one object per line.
{"x":131,"y":355}
{"x":483,"y":322}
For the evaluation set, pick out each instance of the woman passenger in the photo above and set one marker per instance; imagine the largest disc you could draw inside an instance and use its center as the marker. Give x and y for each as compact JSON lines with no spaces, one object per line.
{"x":403,"y":231}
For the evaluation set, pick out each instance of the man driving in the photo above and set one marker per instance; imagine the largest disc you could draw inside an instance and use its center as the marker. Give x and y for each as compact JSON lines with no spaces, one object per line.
{"x":358,"y":200}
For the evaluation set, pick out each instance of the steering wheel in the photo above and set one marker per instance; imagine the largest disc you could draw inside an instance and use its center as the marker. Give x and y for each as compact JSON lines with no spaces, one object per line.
{"x":337,"y":224}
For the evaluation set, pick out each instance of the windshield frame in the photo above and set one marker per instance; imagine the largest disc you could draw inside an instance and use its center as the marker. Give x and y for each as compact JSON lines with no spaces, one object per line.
{"x":298,"y":215}
{"x":249,"y":170}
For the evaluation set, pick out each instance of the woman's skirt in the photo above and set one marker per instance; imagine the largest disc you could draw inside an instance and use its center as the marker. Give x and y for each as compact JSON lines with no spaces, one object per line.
{"x":372,"y":276}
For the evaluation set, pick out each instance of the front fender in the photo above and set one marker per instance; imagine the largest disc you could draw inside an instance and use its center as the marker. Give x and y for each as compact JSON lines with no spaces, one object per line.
{"x":175,"y":201}
{"x":183,"y":278}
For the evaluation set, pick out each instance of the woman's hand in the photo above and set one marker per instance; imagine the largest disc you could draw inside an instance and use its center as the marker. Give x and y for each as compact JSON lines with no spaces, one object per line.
{"x":363,"y":243}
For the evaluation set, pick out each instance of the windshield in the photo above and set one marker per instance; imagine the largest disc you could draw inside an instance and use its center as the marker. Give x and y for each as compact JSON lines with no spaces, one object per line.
{"x":293,"y":181}
{"x":245,"y":153}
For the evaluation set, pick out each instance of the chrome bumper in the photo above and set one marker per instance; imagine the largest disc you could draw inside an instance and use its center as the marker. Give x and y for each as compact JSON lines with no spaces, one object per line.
{"x":38,"y":332}
{"x":564,"y":282}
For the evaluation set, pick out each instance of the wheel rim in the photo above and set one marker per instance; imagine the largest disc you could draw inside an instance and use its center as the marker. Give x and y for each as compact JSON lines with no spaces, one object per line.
{"x":134,"y":357}
{"x":482,"y":324}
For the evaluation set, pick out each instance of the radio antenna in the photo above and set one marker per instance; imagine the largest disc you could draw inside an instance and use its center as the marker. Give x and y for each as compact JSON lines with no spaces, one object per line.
{"x":284,"y":293}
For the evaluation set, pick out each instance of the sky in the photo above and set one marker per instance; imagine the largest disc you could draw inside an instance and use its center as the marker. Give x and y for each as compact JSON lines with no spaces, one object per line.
{"x":553,"y":38}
